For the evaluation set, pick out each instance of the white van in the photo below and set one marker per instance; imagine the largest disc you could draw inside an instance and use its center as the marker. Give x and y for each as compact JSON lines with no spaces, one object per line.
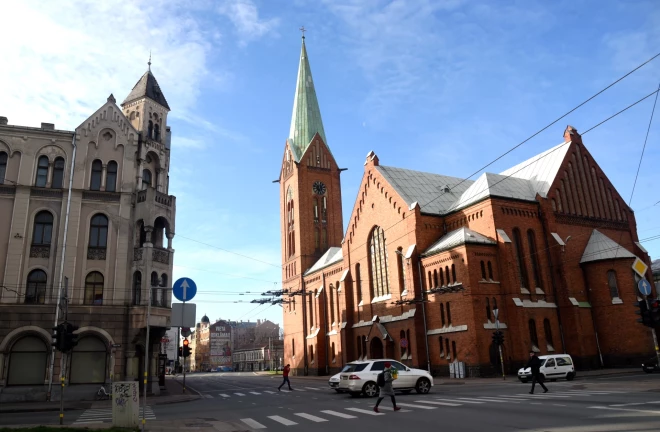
{"x":553,"y":367}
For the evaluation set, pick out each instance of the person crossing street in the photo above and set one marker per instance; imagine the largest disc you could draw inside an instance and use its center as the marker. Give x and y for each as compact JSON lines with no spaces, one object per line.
{"x":285,"y":375}
{"x":534,"y":364}
{"x":384,"y":381}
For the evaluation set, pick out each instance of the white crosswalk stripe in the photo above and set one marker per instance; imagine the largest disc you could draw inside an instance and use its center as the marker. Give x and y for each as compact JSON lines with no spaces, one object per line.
{"x":391,"y":408}
{"x":239,"y":394}
{"x":282,"y":420}
{"x":439,"y":403}
{"x":255,"y":393}
{"x":312,"y":388}
{"x":416,"y":406}
{"x":253,"y":423}
{"x":364,"y":411}
{"x":269,"y":392}
{"x":498,"y":400}
{"x":460,"y":401}
{"x":338,"y":414}
{"x":311,"y":417}
{"x":103,"y":415}
{"x":224,"y":395}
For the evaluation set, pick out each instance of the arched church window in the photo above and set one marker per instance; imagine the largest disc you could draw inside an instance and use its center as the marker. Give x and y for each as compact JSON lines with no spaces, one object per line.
{"x":150,"y":129}
{"x":146,"y":178}
{"x":157,"y":132}
{"x":378,"y":259}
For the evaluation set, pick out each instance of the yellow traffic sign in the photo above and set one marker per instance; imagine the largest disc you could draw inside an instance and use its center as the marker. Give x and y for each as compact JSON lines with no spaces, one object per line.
{"x":640,"y":267}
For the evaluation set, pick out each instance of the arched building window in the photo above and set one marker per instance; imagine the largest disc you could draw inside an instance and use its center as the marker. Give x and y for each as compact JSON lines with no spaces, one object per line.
{"x":35,"y":292}
{"x":28,"y":359}
{"x":58,"y":174}
{"x":42,"y":172}
{"x":97,"y":172}
{"x":137,"y":288}
{"x":548,"y":334}
{"x":435,"y":278}
{"x":522,"y":270}
{"x":533,"y":254}
{"x":89,"y":361}
{"x":150,"y":129}
{"x":98,"y":232}
{"x":611,"y":282}
{"x":358,"y":283}
{"x":157,"y":132}
{"x":532,"y":335}
{"x":378,"y":259}
{"x":483,"y":271}
{"x":146,"y":178}
{"x":490,"y":271}
{"x":94,"y":289}
{"x":43,"y":229}
{"x":3,"y":167}
{"x":111,"y":177}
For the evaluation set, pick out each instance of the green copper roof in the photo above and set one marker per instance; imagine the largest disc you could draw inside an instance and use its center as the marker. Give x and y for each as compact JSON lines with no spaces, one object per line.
{"x":306,"y":117}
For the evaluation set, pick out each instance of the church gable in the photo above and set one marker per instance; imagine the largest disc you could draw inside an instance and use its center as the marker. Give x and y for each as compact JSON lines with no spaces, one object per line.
{"x":99,"y":127}
{"x":581,"y":188}
{"x":317,"y":154}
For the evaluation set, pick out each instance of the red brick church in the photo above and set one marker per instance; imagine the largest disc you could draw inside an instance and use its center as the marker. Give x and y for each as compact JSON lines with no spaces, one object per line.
{"x":425,"y":259}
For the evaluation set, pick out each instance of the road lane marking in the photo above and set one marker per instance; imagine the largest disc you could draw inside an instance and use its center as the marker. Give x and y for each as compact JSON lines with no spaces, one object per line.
{"x":544,"y":395}
{"x":389,"y":408}
{"x":239,"y":394}
{"x":311,"y":388}
{"x":269,"y":392}
{"x":415,"y":406}
{"x":253,"y":424}
{"x":626,"y":409}
{"x":255,"y":393}
{"x":498,"y":400}
{"x":311,"y":417}
{"x":460,"y":401}
{"x":338,"y":414}
{"x":438,"y":403}
{"x":208,"y":396}
{"x":282,"y":420}
{"x":364,"y":411}
{"x":223,"y":395}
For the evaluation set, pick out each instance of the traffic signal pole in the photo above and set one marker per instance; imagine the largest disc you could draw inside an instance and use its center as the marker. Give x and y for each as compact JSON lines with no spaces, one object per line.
{"x":655,"y":337}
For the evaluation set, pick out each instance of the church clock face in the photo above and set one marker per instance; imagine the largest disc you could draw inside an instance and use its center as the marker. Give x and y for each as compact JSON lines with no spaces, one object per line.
{"x":318,"y":188}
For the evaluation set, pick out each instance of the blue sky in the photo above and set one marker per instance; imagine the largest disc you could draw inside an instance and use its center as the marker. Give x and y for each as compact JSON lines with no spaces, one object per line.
{"x":439,"y":86}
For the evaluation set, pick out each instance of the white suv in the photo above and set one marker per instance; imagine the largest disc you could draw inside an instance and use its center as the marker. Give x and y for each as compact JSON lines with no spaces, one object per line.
{"x":552,"y":367}
{"x":360,"y":377}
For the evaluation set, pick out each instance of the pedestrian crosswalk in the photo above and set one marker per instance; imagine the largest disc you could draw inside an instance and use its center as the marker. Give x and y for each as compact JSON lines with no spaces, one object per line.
{"x":432,"y":402}
{"x":104,"y":415}
{"x":259,"y":392}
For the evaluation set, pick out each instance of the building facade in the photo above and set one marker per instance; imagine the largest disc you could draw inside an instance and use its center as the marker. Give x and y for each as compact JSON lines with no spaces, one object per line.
{"x":427,"y":261}
{"x":86,"y":213}
{"x":259,"y":358}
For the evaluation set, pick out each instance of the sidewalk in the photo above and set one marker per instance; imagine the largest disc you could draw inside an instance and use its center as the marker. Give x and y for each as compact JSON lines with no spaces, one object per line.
{"x":173,"y":393}
{"x":157,"y":426}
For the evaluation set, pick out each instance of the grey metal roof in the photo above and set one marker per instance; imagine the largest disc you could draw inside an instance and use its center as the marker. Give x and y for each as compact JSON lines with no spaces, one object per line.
{"x":427,"y":189}
{"x":541,"y":169}
{"x":306,"y":118}
{"x":495,"y":185}
{"x":655,"y":266}
{"x":601,"y":247}
{"x":457,"y":237}
{"x":333,"y":255}
{"x":147,"y":86}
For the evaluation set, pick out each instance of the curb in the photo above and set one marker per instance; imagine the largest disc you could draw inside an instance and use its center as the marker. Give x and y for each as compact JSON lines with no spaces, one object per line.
{"x":43,"y":409}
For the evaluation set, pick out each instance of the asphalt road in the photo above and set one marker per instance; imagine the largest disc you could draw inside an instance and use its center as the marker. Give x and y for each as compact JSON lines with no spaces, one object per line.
{"x":619,"y":403}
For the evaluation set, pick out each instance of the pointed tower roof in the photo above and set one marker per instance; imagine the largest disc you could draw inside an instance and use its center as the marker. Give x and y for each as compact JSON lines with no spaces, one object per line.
{"x":306,"y":117}
{"x":147,"y":86}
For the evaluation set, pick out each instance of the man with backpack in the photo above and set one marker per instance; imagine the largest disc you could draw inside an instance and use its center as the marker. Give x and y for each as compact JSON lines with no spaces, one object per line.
{"x":384,"y":381}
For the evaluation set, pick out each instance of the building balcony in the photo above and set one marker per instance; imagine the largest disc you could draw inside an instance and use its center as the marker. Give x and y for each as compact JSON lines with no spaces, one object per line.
{"x":158,"y":255}
{"x":95,"y":253}
{"x":40,"y":251}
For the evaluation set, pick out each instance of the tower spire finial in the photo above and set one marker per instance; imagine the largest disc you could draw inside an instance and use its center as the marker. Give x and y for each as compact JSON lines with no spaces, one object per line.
{"x":302,"y":29}
{"x":149,"y":62}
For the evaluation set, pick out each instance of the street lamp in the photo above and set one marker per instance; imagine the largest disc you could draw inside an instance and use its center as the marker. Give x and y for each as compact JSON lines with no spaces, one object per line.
{"x":496,"y":312}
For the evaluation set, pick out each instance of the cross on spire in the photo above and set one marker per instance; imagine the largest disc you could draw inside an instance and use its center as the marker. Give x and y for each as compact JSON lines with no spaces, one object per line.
{"x":149,"y":62}
{"x":302,"y":29}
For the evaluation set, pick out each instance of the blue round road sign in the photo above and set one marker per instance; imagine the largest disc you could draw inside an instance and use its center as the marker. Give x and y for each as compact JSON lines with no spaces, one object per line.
{"x":644,"y":287}
{"x":184,"y":289}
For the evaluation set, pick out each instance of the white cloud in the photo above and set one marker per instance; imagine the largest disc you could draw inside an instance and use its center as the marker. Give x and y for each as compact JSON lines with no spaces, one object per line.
{"x":66,"y":57}
{"x":245,"y":17}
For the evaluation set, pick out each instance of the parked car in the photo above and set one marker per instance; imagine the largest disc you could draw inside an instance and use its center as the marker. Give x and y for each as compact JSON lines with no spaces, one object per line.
{"x":361,"y":378}
{"x":651,"y":366}
{"x":553,"y":367}
{"x":333,"y":382}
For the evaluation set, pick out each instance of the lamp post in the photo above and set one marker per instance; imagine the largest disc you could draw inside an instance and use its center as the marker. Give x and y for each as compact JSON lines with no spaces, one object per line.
{"x":496,"y":312}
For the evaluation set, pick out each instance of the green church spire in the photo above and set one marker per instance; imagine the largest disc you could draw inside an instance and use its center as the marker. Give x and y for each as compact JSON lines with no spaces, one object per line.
{"x":306,"y":118}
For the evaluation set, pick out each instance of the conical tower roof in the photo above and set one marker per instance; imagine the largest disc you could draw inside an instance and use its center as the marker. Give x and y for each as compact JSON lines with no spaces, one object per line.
{"x":306,"y":118}
{"x":147,"y":86}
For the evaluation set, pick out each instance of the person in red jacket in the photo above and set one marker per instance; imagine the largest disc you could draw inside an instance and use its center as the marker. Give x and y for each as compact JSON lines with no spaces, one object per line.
{"x":285,"y":373}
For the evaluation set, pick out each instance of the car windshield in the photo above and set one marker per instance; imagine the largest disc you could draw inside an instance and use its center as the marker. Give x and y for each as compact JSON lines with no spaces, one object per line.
{"x":356,"y":367}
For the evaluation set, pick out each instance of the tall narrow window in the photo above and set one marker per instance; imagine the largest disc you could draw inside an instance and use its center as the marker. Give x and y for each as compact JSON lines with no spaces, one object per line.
{"x":58,"y":174}
{"x":293,"y":347}
{"x":42,"y":172}
{"x":447,"y":352}
{"x":435,"y":278}
{"x":317,"y":239}
{"x":311,"y":353}
{"x":522,"y":270}
{"x":97,"y":172}
{"x":358,"y":283}
{"x":111,"y":177}
{"x":487,"y":309}
{"x":332,"y":305}
{"x":453,"y":273}
{"x":146,"y":178}
{"x":324,"y":238}
{"x":448,"y":314}
{"x":404,"y":350}
{"x":442,"y":313}
{"x":483,"y":271}
{"x":157,"y":132}
{"x":316,"y":210}
{"x":3,"y":167}
{"x":430,"y":281}
{"x":94,"y":289}
{"x":548,"y":334}
{"x":137,"y":288}
{"x":98,"y":232}
{"x":43,"y":229}
{"x":531,"y":238}
{"x":453,"y":350}
{"x":409,"y":344}
{"x":401,"y":269}
{"x":150,"y":129}
{"x":324,"y":214}
{"x":359,"y":348}
{"x":611,"y":281}
{"x":442,"y":279}
{"x":36,"y":287}
{"x":442,"y":347}
{"x":379,"y":271}
{"x":447,"y":275}
{"x":490,"y":271}
{"x":532,"y":335}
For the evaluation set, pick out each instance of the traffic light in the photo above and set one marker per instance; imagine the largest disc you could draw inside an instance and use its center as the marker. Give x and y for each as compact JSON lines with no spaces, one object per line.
{"x":58,"y":337}
{"x":186,"y":348}
{"x":654,"y":312}
{"x":644,"y":313}
{"x":180,"y":352}
{"x":498,"y":338}
{"x":68,"y":339}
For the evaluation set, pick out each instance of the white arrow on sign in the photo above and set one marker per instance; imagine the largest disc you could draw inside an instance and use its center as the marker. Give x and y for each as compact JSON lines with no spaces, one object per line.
{"x":185,"y":287}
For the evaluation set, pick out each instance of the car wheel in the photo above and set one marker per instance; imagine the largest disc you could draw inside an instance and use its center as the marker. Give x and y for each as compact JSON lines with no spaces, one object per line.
{"x":423,"y":386}
{"x":370,"y":389}
{"x":570,"y":376}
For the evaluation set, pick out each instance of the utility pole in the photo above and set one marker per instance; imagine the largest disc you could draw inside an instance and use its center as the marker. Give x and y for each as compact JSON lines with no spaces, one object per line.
{"x":496,"y":312}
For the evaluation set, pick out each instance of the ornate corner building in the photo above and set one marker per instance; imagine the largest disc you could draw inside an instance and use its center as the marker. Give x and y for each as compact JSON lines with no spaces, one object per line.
{"x":426,"y":260}
{"x":86,"y":210}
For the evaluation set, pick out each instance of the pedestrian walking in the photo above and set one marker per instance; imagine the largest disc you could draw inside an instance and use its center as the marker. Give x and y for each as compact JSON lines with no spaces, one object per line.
{"x":534,"y":364}
{"x":384,"y":381}
{"x":285,"y":374}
